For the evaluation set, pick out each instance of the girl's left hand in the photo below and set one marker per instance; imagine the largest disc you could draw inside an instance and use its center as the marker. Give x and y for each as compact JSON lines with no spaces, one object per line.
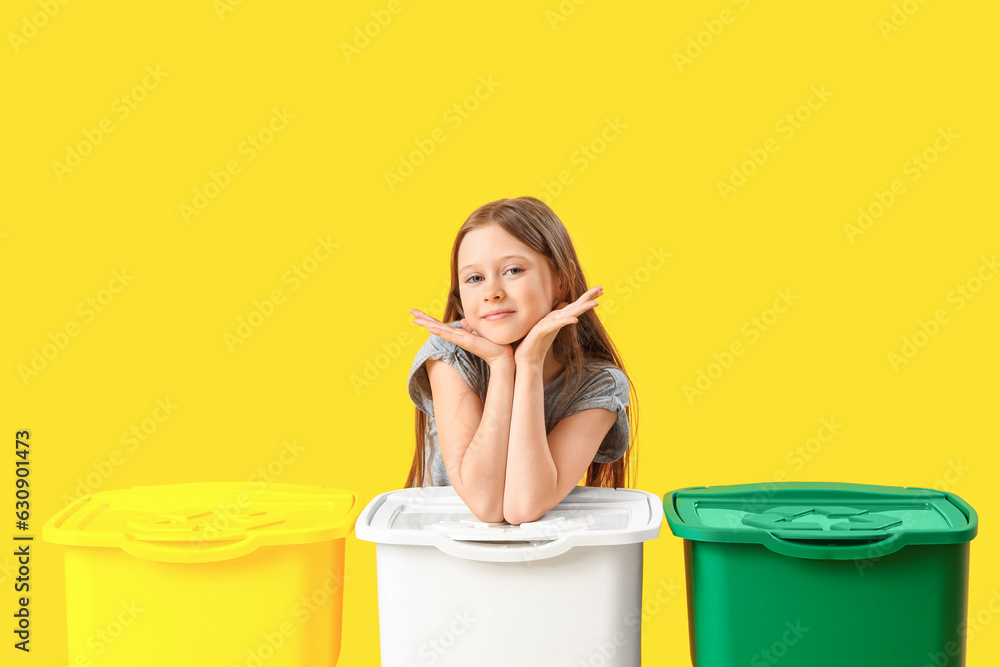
{"x":535,"y":346}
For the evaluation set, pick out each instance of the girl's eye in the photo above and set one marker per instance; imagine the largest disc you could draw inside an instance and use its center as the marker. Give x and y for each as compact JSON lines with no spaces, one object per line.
{"x":476,"y":275}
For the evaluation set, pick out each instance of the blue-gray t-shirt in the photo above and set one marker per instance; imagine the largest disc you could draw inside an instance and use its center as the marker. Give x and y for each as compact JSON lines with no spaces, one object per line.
{"x":605,"y":387}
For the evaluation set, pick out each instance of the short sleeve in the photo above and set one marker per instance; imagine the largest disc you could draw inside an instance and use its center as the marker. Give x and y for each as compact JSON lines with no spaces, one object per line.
{"x":435,"y":347}
{"x":606,"y":388}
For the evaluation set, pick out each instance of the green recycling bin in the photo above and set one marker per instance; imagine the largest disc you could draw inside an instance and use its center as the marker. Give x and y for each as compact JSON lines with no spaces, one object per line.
{"x":813,"y":574}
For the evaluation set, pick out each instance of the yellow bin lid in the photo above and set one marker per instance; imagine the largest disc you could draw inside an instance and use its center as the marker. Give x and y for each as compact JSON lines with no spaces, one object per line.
{"x":202,"y":522}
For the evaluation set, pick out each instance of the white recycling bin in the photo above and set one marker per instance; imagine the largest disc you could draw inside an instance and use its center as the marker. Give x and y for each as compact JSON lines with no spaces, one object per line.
{"x":565,"y":590}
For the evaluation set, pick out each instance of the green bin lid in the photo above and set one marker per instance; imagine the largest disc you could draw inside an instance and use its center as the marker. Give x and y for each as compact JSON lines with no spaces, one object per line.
{"x":830,"y":520}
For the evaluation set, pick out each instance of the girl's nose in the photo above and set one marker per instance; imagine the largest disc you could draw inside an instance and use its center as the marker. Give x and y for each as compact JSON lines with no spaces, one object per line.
{"x":492,"y":291}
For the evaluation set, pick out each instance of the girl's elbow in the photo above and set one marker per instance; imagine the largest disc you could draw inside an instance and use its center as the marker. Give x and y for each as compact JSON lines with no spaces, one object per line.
{"x":486,"y":511}
{"x":495,"y":516}
{"x":517,"y":517}
{"x":523,"y":511}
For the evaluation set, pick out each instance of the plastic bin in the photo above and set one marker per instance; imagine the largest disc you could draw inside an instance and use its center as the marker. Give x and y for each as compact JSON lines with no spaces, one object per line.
{"x":824,"y":574}
{"x":205,"y":574}
{"x":564,"y":590}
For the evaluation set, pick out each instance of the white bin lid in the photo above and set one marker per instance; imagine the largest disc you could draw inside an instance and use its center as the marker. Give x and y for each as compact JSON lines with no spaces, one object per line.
{"x":436,"y":516}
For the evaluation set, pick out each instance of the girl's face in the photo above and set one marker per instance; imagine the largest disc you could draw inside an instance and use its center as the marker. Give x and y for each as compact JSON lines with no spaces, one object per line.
{"x":498,"y":272}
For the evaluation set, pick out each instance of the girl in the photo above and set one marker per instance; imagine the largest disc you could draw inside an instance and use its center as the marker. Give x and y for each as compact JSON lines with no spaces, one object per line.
{"x":522,"y":392}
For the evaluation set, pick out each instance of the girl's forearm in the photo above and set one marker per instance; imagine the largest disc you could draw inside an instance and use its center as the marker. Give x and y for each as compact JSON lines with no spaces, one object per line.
{"x":531,"y":472}
{"x":483,"y":466}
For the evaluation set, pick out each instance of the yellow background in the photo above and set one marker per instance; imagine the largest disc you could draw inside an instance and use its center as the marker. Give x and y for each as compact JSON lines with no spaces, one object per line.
{"x":562,"y":72}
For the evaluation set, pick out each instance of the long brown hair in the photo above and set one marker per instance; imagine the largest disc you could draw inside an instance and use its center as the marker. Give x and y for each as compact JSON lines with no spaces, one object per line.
{"x":584,"y":344}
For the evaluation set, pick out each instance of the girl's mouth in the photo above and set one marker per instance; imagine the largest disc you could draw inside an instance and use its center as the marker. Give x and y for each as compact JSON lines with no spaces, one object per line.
{"x":498,"y":316}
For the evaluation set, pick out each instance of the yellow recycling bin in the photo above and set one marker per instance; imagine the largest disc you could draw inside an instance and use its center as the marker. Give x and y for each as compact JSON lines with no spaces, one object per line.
{"x":221,"y":574}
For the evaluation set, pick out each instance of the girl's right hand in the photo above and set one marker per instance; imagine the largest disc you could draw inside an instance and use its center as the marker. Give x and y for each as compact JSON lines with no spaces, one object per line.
{"x":465,"y":338}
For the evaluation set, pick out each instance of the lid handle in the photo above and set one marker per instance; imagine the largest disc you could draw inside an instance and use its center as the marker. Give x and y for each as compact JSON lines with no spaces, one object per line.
{"x":843,"y":549}
{"x":188,"y":551}
{"x":506,"y":552}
